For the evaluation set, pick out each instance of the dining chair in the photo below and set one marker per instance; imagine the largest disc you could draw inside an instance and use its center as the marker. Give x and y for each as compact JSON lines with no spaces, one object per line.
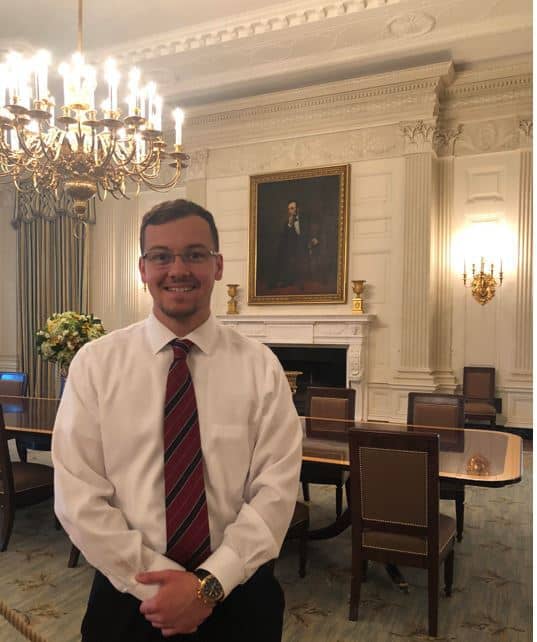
{"x":478,"y":390}
{"x":395,"y":510}
{"x":16,"y":384}
{"x":321,"y":405}
{"x":21,"y":484}
{"x":444,"y":411}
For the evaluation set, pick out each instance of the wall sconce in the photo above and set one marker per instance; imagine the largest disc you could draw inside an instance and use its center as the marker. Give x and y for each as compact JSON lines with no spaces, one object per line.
{"x":483,"y":283}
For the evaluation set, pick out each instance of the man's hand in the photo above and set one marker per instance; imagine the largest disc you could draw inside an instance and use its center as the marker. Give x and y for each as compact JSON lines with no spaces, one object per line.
{"x":176,"y":608}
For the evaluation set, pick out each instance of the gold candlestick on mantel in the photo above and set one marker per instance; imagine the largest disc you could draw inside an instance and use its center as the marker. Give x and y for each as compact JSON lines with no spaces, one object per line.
{"x":232,"y":303}
{"x":357,"y":301}
{"x":292,"y":376}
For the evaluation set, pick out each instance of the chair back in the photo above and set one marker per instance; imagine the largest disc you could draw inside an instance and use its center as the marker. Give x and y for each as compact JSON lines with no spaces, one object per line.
{"x":7,"y":486}
{"x":479,"y":383}
{"x":394,"y":488}
{"x":13,"y":384}
{"x":329,"y":403}
{"x":431,"y":409}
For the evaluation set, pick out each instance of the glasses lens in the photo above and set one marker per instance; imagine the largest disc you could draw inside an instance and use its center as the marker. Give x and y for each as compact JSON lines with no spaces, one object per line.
{"x":160,"y":258}
{"x":198,"y":255}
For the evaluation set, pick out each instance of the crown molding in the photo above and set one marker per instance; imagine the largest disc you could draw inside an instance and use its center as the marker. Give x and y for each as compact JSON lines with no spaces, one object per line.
{"x":244,"y":25}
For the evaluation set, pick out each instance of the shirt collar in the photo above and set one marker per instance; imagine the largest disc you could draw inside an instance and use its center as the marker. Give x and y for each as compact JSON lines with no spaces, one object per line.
{"x":204,"y":336}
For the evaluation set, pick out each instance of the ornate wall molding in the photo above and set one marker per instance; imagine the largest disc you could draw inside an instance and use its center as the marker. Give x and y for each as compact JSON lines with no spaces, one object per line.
{"x":526,"y":132}
{"x":410,"y":95}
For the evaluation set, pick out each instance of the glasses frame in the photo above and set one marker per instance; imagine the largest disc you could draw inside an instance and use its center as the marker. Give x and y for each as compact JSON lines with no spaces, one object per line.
{"x":182,"y":255}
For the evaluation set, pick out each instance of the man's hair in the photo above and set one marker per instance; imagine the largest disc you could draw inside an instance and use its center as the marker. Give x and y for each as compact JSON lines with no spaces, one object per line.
{"x":174,"y":210}
{"x":293,"y":200}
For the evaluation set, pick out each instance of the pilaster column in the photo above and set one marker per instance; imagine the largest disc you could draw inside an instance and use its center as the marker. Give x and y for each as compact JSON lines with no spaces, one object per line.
{"x":415,"y":366}
{"x":444,"y":140}
{"x":523,"y":304}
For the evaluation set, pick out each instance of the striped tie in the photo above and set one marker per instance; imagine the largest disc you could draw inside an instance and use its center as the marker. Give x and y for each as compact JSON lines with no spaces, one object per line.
{"x":187,"y":522}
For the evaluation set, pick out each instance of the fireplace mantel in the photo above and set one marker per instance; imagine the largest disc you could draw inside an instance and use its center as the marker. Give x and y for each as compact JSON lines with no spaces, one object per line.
{"x":351,"y":330}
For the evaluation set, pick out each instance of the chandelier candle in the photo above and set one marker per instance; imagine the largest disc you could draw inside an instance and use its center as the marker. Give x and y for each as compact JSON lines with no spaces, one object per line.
{"x":78,"y":152}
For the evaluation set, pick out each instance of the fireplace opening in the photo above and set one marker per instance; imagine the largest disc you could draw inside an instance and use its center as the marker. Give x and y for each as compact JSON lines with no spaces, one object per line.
{"x":320,"y":366}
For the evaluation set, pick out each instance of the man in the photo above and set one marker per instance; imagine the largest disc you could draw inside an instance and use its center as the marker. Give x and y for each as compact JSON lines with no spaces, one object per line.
{"x":297,"y":242}
{"x":178,"y":499}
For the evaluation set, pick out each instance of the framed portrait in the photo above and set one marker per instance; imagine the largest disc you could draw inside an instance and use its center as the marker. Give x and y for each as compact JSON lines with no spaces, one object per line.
{"x":298,"y":236}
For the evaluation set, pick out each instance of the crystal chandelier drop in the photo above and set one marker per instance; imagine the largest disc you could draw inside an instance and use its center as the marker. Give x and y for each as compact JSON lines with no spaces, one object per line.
{"x":80,"y":152}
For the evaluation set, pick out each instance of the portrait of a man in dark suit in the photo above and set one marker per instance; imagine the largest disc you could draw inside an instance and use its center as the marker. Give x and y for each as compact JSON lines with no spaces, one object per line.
{"x":298,"y":236}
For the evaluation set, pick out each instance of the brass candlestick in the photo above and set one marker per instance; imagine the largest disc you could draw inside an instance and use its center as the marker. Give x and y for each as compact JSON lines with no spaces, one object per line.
{"x":232,"y":303}
{"x":292,"y":376}
{"x":357,"y":301}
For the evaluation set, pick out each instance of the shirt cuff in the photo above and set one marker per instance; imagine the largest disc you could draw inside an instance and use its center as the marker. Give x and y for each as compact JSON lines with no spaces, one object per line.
{"x":157,"y":562}
{"x":226,"y":566}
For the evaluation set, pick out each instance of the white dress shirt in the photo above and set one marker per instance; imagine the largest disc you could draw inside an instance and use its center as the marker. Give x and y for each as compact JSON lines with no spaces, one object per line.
{"x":107,"y":451}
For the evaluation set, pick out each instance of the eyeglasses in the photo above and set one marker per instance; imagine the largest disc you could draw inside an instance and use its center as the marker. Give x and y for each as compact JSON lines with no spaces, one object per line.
{"x":164,"y":258}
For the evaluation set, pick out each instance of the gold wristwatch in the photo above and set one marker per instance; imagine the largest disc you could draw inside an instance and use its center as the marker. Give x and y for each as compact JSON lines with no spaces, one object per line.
{"x":210,"y":590}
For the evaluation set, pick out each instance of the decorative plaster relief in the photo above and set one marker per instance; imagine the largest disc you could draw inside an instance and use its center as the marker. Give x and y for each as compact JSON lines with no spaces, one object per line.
{"x":355,"y":368}
{"x":309,"y":151}
{"x":410,"y":26}
{"x":198,"y":164}
{"x":526,"y":132}
{"x":489,"y":136}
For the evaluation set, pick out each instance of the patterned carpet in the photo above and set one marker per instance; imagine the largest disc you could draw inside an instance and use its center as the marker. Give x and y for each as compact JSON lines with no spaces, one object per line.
{"x":491,"y":599}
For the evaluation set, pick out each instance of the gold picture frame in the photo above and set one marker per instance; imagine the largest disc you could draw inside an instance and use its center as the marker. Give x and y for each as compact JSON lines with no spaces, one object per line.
{"x":298,"y":236}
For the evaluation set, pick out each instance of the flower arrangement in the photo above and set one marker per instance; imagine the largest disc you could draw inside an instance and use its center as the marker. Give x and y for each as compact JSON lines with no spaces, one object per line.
{"x":64,"y":334}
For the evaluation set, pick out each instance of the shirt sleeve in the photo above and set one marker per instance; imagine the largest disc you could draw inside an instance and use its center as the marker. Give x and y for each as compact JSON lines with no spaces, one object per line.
{"x":83,"y":496}
{"x":270,"y":494}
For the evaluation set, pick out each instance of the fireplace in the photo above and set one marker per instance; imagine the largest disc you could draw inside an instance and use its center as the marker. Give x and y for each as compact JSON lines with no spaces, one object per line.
{"x":320,"y":366}
{"x":331,"y":350}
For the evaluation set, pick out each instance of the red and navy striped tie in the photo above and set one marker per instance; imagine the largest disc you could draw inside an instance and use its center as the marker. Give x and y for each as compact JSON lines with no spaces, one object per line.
{"x":187,"y":522}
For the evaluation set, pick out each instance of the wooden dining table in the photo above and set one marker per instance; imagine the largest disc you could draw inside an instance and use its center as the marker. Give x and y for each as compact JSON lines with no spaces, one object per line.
{"x":466,"y":456}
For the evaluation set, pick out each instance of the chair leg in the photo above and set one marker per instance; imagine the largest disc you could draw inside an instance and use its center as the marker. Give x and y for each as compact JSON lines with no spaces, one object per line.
{"x":356,"y":585}
{"x":73,"y":557}
{"x":306,"y":491}
{"x":433,"y":599}
{"x":448,"y":573}
{"x":339,"y":500}
{"x":21,"y":451}
{"x":303,"y":551}
{"x":459,"y":510}
{"x":8,"y":517}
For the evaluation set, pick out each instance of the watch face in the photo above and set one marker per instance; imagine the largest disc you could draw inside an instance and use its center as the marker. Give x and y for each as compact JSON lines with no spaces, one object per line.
{"x":212,"y":589}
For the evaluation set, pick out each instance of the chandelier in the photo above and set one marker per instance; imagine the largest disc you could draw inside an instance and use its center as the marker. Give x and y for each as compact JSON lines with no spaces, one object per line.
{"x":80,"y":152}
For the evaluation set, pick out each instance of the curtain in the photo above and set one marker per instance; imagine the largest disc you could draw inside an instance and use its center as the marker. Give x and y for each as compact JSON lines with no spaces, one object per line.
{"x":52,"y":276}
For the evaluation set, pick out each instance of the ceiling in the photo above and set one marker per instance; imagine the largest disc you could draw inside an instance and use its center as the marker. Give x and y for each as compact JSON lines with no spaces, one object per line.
{"x":210,"y":50}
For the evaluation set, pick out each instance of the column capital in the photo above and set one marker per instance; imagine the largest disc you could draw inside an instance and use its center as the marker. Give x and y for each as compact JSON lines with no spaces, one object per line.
{"x":526,"y":132}
{"x":418,"y":136}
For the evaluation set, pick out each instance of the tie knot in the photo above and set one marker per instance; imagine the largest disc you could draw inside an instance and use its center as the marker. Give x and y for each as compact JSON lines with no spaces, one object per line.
{"x":181,"y":347}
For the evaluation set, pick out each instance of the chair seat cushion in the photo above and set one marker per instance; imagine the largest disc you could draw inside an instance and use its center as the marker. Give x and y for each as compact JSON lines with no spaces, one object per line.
{"x":28,"y":476}
{"x":479,"y":408}
{"x":410,"y":543}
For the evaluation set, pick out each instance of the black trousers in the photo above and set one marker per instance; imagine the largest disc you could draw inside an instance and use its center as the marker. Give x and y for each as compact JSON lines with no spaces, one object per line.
{"x":252,"y":611}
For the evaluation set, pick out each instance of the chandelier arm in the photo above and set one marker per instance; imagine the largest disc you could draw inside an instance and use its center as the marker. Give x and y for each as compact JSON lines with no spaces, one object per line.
{"x":162,"y":187}
{"x":22,"y":143}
